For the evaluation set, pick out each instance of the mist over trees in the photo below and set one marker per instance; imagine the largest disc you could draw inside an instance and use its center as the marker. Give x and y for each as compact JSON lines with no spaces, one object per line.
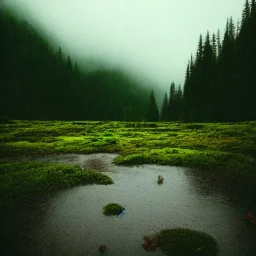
{"x":220,"y":80}
{"x":37,"y":82}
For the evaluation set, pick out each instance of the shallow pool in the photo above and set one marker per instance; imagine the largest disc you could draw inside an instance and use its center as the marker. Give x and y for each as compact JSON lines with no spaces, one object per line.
{"x":72,"y":223}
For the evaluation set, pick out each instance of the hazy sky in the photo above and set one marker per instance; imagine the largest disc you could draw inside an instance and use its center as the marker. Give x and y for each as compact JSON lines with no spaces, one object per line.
{"x":154,"y":38}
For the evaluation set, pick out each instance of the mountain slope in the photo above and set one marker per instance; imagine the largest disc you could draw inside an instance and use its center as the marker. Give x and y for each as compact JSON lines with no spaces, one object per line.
{"x":38,"y":83}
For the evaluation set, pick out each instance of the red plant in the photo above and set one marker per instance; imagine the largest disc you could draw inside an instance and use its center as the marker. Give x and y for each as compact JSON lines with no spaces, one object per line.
{"x":149,"y":244}
{"x":102,"y":247}
{"x":160,"y":179}
{"x":250,"y":218}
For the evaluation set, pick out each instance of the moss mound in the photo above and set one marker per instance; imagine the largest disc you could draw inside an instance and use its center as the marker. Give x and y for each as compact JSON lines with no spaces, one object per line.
{"x":113,"y":209}
{"x":184,"y":242}
{"x":28,"y":179}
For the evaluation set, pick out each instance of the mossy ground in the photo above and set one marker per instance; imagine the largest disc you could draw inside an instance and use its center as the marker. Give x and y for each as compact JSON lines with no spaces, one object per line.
{"x":112,"y":209}
{"x":225,"y":148}
{"x":21,"y":180}
{"x":185,"y":242}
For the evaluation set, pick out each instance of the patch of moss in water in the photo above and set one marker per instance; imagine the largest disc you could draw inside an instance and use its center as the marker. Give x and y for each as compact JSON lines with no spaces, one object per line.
{"x":182,"y":242}
{"x":26,"y":179}
{"x":113,"y":209}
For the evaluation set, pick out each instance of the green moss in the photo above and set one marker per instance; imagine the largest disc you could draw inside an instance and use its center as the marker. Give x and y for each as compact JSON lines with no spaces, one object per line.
{"x":26,"y":179}
{"x":227,"y":148}
{"x":207,"y":160}
{"x":112,"y":209}
{"x":185,"y":242}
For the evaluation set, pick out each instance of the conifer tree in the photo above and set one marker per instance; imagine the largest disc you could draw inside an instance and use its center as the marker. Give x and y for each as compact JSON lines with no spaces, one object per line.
{"x":218,"y":43}
{"x":207,"y":88}
{"x":197,"y":83}
{"x":214,"y":48}
{"x":221,"y":84}
{"x":246,"y":13}
{"x":165,"y":110}
{"x":152,"y":111}
{"x":253,"y":8}
{"x":208,"y":53}
{"x":199,"y":55}
{"x":171,"y":102}
{"x":68,"y":75}
{"x":178,"y":103}
{"x":186,"y":102}
{"x":60,"y":55}
{"x":237,"y":28}
{"x":231,"y":29}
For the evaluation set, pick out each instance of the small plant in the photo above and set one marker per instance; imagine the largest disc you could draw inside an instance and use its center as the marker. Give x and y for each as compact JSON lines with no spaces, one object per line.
{"x":102,"y":248}
{"x":113,"y":209}
{"x":160,"y":179}
{"x":250,"y":218}
{"x":149,"y":243}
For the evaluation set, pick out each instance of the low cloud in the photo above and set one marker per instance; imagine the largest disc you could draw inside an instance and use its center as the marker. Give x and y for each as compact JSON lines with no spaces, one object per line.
{"x":153,"y":39}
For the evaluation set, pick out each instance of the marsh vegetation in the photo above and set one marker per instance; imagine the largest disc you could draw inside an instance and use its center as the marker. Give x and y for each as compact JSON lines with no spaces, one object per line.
{"x":224,"y":148}
{"x":74,"y":217}
{"x":209,"y":169}
{"x":224,"y":152}
{"x":182,"y":242}
{"x":113,"y":209}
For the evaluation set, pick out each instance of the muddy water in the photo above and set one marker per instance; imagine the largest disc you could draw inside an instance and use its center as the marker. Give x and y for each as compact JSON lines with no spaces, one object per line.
{"x":71,"y":222}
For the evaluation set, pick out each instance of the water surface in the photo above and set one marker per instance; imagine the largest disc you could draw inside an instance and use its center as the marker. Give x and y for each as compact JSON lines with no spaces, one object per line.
{"x":72,"y":223}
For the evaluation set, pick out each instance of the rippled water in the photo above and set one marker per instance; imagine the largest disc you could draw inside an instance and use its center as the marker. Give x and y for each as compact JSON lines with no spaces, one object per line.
{"x":71,"y":222}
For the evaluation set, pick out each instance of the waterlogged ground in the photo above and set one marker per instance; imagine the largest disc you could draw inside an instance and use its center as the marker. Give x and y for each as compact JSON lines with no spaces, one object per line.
{"x":226,"y":147}
{"x":71,"y":222}
{"x":214,"y":200}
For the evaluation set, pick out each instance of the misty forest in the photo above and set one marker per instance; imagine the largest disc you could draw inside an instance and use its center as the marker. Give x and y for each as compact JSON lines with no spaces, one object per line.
{"x":176,"y":169}
{"x":39,"y":82}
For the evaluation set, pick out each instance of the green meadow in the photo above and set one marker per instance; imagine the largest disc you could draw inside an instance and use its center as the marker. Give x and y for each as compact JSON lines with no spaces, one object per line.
{"x":228,"y":149}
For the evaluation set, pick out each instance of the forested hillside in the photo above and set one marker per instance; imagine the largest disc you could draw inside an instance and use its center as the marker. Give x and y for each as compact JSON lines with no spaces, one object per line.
{"x":220,"y":82}
{"x":37,"y":82}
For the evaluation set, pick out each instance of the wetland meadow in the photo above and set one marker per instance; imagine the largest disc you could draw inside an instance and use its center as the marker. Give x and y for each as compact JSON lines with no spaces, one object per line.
{"x":56,"y":177}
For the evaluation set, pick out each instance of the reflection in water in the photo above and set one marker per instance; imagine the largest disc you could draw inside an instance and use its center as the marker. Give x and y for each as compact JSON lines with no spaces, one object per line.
{"x":72,"y":222}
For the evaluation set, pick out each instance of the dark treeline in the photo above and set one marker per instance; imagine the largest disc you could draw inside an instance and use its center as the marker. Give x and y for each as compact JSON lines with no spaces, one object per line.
{"x":172,"y":107}
{"x":220,"y":83}
{"x":37,"y":82}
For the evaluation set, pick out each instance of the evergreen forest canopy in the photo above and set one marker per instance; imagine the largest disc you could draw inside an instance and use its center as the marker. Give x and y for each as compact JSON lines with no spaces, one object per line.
{"x":37,"y":82}
{"x":220,"y":82}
